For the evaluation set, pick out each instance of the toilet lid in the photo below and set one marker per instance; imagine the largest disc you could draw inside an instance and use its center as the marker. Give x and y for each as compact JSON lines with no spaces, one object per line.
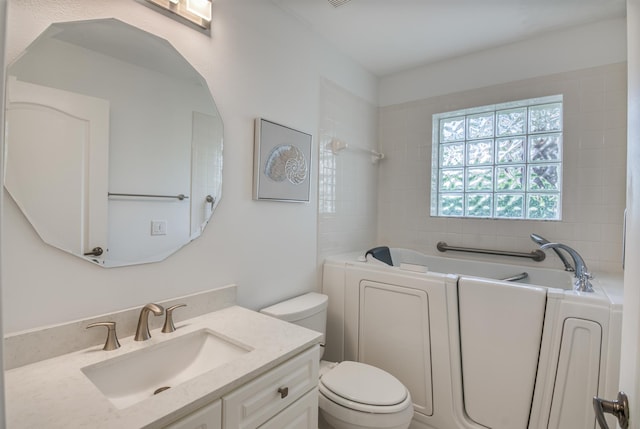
{"x":365,"y":384}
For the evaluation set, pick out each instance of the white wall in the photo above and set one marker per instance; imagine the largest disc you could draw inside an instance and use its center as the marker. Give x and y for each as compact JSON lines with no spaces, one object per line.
{"x":258,"y":62}
{"x":594,"y":168}
{"x":575,"y":48}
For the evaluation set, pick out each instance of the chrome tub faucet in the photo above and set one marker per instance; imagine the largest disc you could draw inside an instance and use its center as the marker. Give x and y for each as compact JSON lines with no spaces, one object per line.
{"x":582,"y":276}
{"x":541,"y":240}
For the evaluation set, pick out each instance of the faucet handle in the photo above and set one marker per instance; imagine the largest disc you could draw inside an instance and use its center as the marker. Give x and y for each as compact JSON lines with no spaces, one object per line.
{"x":112,"y":339}
{"x":168,"y":321}
{"x":583,"y":284}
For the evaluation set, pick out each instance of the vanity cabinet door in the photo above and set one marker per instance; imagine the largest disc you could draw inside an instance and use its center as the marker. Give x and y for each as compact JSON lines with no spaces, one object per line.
{"x":207,"y":417}
{"x":259,"y":400}
{"x":302,"y":414}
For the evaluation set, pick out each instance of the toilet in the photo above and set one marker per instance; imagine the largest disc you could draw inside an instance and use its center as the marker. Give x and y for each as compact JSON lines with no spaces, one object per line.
{"x":352,"y":395}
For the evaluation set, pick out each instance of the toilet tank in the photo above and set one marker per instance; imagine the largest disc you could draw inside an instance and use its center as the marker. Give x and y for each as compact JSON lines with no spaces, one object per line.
{"x":308,"y":310}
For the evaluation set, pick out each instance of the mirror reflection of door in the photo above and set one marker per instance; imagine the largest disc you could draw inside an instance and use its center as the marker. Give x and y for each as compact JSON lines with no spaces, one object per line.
{"x":57,"y":163}
{"x":206,"y":170}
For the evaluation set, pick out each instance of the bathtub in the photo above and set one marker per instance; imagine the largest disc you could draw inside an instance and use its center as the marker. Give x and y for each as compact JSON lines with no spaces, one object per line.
{"x":476,"y":351}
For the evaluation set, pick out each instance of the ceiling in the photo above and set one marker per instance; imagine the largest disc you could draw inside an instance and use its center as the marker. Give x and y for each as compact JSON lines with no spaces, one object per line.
{"x":387,"y":36}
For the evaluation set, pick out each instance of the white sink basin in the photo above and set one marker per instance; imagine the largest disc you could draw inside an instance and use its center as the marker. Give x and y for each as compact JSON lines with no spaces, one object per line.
{"x":133,"y":377}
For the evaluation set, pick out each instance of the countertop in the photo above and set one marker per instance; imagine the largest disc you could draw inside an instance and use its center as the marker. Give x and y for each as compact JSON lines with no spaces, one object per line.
{"x":55,"y":393}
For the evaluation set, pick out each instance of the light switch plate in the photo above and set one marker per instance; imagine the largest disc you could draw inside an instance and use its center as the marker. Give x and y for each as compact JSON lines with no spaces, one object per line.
{"x":158,"y":227}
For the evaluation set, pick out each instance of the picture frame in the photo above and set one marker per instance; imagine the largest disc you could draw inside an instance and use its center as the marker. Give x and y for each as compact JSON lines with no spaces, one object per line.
{"x":281,"y":163}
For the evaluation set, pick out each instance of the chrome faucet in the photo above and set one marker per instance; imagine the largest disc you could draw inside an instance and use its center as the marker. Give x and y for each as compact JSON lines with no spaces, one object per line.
{"x":582,"y":275}
{"x":142,"y":332}
{"x":541,"y":240}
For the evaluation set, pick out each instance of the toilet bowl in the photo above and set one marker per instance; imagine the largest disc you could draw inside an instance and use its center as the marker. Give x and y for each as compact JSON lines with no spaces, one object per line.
{"x":352,"y":395}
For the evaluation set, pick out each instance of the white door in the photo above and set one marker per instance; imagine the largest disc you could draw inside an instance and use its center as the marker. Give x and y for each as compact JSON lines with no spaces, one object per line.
{"x":56,"y":163}
{"x":630,"y":360}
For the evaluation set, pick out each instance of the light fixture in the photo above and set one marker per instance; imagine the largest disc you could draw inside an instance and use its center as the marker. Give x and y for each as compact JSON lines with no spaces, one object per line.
{"x":201,"y":8}
{"x":197,"y":12}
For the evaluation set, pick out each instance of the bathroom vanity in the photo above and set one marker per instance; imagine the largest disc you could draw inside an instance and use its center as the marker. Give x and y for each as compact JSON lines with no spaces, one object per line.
{"x":284,"y":397}
{"x":231,"y":368}
{"x":263,"y":402}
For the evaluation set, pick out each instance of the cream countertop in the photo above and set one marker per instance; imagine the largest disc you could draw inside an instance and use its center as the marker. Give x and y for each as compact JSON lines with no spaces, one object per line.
{"x":55,"y":393}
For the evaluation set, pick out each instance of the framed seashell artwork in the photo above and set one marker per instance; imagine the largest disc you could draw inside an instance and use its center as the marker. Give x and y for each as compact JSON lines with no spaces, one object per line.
{"x":281,"y":163}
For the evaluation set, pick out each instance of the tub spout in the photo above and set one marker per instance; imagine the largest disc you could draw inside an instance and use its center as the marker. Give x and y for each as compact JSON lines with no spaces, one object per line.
{"x":541,"y":240}
{"x":582,"y":276}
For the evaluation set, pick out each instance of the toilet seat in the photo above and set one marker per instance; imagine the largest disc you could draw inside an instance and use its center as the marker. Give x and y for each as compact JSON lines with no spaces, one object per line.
{"x":364,"y":388}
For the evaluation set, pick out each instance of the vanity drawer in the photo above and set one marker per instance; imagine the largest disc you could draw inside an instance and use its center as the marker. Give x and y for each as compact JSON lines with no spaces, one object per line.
{"x":259,"y":400}
{"x":302,"y":414}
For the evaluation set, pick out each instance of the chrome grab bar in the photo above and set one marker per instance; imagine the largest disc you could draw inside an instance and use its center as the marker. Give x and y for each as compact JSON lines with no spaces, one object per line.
{"x":537,"y":255}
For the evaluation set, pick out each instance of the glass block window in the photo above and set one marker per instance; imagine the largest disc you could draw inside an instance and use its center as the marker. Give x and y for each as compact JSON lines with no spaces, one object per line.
{"x":502,"y":161}
{"x":327,"y":182}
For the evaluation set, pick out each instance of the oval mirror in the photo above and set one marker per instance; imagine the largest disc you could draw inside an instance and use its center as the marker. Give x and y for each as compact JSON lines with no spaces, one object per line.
{"x":113,"y":143}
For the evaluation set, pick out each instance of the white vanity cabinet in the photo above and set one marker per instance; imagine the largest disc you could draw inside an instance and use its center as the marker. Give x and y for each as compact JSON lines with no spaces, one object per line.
{"x":257,"y":401}
{"x":207,"y":417}
{"x":284,"y":397}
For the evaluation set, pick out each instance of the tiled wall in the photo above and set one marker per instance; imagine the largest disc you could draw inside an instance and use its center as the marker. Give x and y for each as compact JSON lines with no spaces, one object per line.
{"x":594,"y":171}
{"x":347,"y":181}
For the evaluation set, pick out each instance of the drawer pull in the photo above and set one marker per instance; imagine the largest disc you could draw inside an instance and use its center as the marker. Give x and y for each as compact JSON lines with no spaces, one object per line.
{"x":283,"y":391}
